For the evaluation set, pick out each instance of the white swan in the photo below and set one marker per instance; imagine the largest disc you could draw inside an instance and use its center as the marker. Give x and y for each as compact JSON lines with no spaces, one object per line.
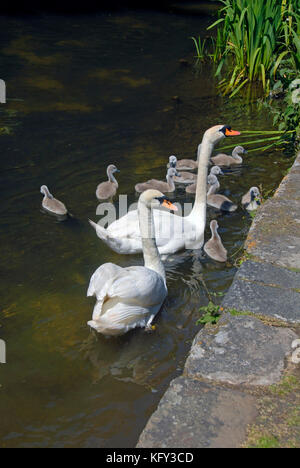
{"x":131,"y":297}
{"x":173,"y":233}
{"x":109,"y":188}
{"x":52,"y":205}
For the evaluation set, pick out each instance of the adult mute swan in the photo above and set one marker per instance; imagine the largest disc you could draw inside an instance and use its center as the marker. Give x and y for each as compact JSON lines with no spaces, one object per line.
{"x":131,"y":297}
{"x":109,"y":188}
{"x":155,"y":184}
{"x":173,"y":233}
{"x":52,"y":205}
{"x":252,"y":199}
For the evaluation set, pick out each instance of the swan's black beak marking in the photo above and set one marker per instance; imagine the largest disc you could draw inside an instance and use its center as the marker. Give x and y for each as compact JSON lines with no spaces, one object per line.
{"x":227,"y":130}
{"x":164,"y":201}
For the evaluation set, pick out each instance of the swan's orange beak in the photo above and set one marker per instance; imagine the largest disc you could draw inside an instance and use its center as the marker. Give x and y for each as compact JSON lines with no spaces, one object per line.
{"x":231,"y":132}
{"x":167,"y":204}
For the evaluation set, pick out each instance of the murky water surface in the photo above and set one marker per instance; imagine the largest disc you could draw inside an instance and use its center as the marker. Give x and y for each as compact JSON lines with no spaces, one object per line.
{"x":84,"y":92}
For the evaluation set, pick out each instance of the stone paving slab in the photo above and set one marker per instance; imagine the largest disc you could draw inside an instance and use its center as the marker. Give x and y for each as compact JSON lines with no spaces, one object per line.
{"x":265,"y":290}
{"x":289,"y":187}
{"x":195,"y":414}
{"x":269,"y":275}
{"x":275,"y":233}
{"x":240,"y":350}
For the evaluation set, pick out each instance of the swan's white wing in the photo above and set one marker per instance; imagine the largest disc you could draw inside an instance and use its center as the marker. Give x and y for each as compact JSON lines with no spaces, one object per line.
{"x":122,"y":318}
{"x":126,"y":226}
{"x":138,"y":285}
{"x":138,"y":289}
{"x":101,"y":277}
{"x":167,"y":227}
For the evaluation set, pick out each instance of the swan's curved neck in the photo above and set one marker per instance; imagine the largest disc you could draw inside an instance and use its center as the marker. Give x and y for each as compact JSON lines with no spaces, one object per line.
{"x":215,"y":234}
{"x":112,"y":178}
{"x":47,"y":193}
{"x":170,"y":181}
{"x":152,"y":258}
{"x":199,"y":208}
{"x":213,"y":184}
{"x":212,"y":189}
{"x":236,"y":156}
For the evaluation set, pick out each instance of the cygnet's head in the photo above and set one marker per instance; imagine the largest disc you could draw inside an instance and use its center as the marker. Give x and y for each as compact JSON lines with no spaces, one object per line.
{"x":216,"y":170}
{"x":172,"y":172}
{"x":111,"y":169}
{"x":255,"y":195}
{"x":45,"y":191}
{"x":240,"y":150}
{"x":172,"y":161}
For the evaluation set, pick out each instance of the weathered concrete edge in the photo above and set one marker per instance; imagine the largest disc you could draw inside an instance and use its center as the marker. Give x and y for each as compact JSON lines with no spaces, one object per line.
{"x":154,"y":433}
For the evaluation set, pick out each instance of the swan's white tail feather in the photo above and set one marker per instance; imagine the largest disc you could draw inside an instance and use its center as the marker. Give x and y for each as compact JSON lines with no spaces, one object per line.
{"x":121,"y":245}
{"x":100,"y":231}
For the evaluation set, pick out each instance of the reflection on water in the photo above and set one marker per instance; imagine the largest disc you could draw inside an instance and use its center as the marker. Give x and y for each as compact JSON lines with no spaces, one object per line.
{"x":84,"y":92}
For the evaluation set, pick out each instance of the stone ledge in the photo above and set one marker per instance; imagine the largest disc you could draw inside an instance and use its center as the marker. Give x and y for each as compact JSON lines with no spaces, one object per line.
{"x":269,"y":275}
{"x":240,"y":350}
{"x":275,"y":232}
{"x":195,"y":414}
{"x":265,"y":290}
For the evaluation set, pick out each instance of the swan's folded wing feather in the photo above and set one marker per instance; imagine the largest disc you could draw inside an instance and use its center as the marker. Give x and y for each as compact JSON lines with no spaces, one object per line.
{"x":167,"y":226}
{"x":138,"y":285}
{"x":126,"y":226}
{"x":101,"y":277}
{"x":133,"y":286}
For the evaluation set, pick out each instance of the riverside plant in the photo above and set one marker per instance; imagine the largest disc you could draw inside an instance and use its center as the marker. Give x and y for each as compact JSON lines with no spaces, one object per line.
{"x":212,"y":314}
{"x":256,"y":36}
{"x":286,"y":112}
{"x":200,"y":47}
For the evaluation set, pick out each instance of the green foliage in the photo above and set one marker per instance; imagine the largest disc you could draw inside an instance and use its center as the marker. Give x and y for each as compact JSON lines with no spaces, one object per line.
{"x":257,"y":36}
{"x":288,"y":117}
{"x":200,"y":47}
{"x":212,"y":314}
{"x":236,"y":312}
{"x":5,"y":131}
{"x":288,"y":384}
{"x":266,"y":441}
